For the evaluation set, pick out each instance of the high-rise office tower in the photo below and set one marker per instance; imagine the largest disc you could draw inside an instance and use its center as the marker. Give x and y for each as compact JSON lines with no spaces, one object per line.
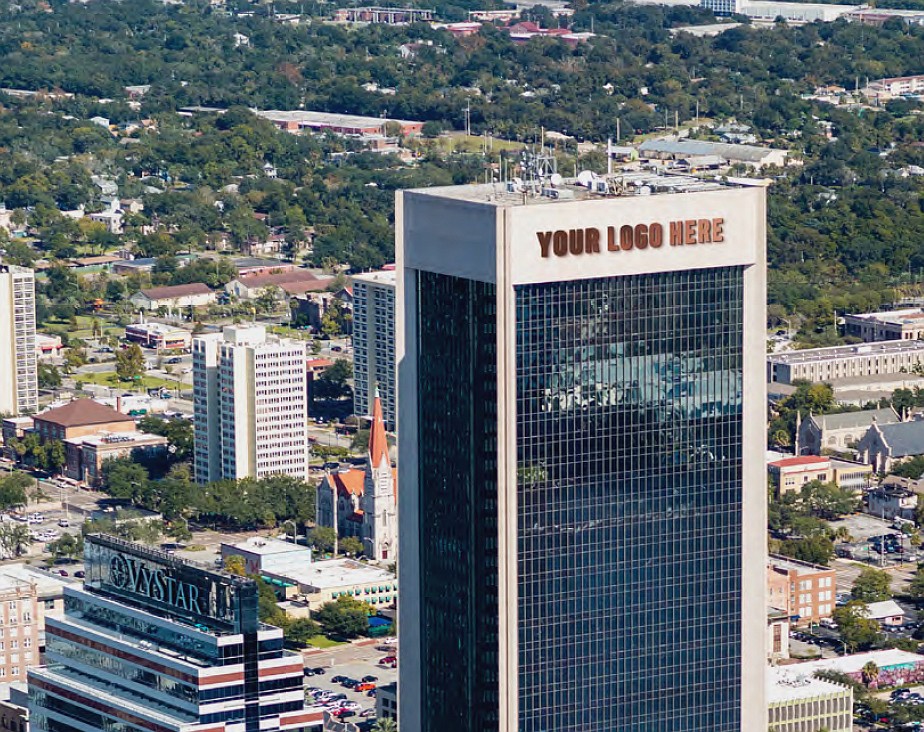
{"x":374,"y":343}
{"x":250,"y":403}
{"x":18,"y":359}
{"x":581,"y":371}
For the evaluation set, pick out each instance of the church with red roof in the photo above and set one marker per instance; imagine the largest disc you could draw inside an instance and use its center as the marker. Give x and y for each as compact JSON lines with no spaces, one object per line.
{"x":363,"y":502}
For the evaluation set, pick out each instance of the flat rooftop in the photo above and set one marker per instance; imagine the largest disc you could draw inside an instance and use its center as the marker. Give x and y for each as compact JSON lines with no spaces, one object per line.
{"x":47,"y":584}
{"x":896,"y":317}
{"x":814,"y":355}
{"x":337,"y":573}
{"x":265,"y":547}
{"x":161,"y":328}
{"x":886,"y":660}
{"x":788,"y":683}
{"x":794,"y":565}
{"x":326,"y":119}
{"x":384,"y":277}
{"x":586,"y":186}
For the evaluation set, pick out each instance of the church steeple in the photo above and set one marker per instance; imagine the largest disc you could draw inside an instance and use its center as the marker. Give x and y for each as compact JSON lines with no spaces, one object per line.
{"x":378,"y":444}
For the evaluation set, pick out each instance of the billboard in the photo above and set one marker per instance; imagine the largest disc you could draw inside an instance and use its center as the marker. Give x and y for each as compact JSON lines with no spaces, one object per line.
{"x":158,"y":582}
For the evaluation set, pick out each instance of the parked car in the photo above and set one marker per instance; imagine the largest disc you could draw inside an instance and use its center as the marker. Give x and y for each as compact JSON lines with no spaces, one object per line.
{"x":370,"y":678}
{"x":388,"y":660}
{"x":364,"y":686}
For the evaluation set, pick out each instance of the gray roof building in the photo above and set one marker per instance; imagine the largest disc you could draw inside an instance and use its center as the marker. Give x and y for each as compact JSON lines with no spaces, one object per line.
{"x":839,"y":432}
{"x":749,"y":154}
{"x":905,"y":438}
{"x":852,"y":420}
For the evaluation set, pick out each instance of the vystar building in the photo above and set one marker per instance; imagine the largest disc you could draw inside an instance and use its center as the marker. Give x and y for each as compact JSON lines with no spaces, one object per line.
{"x":582,"y":408}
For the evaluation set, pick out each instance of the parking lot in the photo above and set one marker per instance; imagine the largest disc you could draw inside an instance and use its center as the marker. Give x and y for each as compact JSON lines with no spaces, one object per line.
{"x":355,"y":663}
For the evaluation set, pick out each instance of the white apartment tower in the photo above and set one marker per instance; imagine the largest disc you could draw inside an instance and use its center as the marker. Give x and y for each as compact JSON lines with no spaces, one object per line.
{"x":18,"y":360}
{"x":374,"y":343}
{"x":251,"y":405}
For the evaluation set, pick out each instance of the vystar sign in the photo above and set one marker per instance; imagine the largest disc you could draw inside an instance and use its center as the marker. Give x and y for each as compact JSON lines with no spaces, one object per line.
{"x":592,"y":240}
{"x":155,"y":583}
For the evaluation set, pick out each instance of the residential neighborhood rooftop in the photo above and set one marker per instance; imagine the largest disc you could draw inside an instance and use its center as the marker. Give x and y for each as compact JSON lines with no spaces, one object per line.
{"x":171,"y":291}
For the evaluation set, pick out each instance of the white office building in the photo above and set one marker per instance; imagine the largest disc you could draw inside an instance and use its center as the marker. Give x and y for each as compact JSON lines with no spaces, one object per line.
{"x":18,"y":359}
{"x":251,"y":405}
{"x":374,"y":343}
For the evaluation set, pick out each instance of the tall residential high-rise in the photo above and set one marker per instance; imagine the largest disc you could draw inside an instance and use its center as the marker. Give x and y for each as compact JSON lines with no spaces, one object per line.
{"x":374,"y":343}
{"x":250,"y":402}
{"x":583,"y":496}
{"x":18,"y":359}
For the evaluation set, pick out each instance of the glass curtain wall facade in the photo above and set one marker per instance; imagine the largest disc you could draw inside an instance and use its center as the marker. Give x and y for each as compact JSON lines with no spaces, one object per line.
{"x":629,"y":490}
{"x":457,"y":403}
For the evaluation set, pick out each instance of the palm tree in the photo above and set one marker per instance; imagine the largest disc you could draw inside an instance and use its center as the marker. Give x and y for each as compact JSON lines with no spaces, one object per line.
{"x":385,"y":724}
{"x":870,"y":673}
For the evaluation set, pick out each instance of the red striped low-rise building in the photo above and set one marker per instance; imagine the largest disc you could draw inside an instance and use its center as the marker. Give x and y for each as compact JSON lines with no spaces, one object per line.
{"x":154,"y":644}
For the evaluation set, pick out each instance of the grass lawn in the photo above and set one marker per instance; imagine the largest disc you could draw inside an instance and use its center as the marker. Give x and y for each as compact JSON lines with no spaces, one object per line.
{"x":109,"y":378}
{"x":320,"y":641}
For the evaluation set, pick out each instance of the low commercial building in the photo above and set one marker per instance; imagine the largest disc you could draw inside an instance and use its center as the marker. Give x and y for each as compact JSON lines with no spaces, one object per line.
{"x":158,"y":335}
{"x":885,"y":446}
{"x":768,"y":11}
{"x":841,"y":362}
{"x":791,"y":473}
{"x":838,"y":432}
{"x":800,"y":702}
{"x":80,"y":418}
{"x":683,"y":149}
{"x":268,"y":555}
{"x":806,"y":592}
{"x":86,"y":454}
{"x":323,"y":581}
{"x":47,"y":346}
{"x":887,"y":613}
{"x":351,"y":125}
{"x":851,"y":475}
{"x":188,"y":656}
{"x":383,"y":15}
{"x":896,"y":667}
{"x":891,"y":502}
{"x":898,"y":86}
{"x":174,"y":297}
{"x":889,"y":325}
{"x":290,"y":284}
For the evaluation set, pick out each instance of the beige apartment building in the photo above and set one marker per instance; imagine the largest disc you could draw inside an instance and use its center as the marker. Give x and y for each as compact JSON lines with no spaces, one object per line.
{"x":806,"y":592}
{"x":19,"y":628}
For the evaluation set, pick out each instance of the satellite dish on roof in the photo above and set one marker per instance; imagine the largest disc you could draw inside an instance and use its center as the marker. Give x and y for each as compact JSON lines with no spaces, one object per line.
{"x":586,"y":178}
{"x":556,"y":179}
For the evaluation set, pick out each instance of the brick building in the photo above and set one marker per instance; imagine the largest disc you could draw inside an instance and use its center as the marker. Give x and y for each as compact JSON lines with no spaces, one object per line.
{"x":806,"y":592}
